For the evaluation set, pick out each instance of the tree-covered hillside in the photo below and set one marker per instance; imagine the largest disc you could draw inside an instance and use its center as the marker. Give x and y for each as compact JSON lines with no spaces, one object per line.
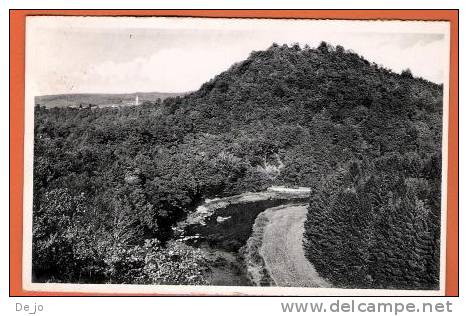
{"x":109,"y":184}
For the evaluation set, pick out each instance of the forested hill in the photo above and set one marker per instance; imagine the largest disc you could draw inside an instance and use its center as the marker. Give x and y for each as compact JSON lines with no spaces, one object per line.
{"x":317,"y":108}
{"x":290,"y":85}
{"x":324,"y":118}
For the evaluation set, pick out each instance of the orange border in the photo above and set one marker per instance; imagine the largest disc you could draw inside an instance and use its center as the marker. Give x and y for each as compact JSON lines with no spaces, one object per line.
{"x":17,"y":61}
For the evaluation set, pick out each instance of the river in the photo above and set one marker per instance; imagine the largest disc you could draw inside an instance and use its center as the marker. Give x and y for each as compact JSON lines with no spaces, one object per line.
{"x":222,"y":227}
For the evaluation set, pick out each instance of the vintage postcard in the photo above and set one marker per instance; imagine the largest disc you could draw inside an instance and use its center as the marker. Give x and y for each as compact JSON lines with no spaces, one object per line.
{"x":198,"y":156}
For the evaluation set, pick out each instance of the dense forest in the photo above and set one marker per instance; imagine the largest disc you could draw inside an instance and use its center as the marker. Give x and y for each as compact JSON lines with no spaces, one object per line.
{"x":110,"y":184}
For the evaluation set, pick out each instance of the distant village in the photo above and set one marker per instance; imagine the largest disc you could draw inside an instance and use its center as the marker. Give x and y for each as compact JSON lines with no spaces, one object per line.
{"x":114,"y":103}
{"x":108,"y":105}
{"x":102,"y":100}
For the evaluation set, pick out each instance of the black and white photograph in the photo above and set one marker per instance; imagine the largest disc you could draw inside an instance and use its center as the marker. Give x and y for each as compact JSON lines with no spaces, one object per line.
{"x":235,"y":156}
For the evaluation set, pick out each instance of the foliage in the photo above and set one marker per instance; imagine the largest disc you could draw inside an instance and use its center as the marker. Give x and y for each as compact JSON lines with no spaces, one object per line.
{"x":107,"y":180}
{"x":150,"y":263}
{"x":378,"y":228}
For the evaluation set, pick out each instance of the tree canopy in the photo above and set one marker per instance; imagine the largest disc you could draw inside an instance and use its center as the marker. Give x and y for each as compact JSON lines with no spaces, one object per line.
{"x":365,"y":139}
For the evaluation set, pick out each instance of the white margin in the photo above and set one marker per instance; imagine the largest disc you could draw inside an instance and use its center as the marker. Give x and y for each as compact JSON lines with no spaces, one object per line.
{"x":418,"y":27}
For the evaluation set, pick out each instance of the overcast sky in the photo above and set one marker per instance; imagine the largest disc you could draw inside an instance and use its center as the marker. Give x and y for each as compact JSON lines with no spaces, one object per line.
{"x":118,"y":55}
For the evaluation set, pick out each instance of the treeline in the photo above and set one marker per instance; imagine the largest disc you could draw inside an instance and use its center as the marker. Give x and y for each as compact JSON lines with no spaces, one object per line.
{"x":377,"y":224}
{"x":109,"y":184}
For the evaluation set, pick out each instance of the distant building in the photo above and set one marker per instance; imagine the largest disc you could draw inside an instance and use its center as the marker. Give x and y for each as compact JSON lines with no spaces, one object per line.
{"x":136,"y":100}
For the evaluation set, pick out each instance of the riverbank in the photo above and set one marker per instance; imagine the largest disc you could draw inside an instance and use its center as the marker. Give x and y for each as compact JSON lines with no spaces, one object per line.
{"x":226,"y":223}
{"x":222,"y":226}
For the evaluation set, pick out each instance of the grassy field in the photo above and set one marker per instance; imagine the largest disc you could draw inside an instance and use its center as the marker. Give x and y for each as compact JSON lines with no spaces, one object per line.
{"x":282,"y":248}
